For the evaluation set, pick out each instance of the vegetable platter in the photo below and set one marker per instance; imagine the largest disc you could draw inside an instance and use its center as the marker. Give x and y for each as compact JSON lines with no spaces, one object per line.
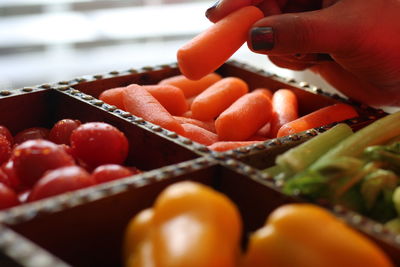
{"x":85,"y":227}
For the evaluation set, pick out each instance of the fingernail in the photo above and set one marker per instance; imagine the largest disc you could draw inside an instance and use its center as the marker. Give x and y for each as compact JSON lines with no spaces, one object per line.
{"x":262,"y":38}
{"x":208,"y":11}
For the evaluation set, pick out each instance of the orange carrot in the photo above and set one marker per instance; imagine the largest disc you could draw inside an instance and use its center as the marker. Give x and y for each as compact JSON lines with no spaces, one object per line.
{"x":284,"y":105}
{"x":189,"y":87}
{"x":244,"y":117}
{"x":210,"y":49}
{"x":216,"y":98}
{"x":113,"y":97}
{"x":208,"y":125}
{"x":141,"y":103}
{"x":187,"y":114}
{"x":171,"y":97}
{"x":320,"y":117}
{"x":189,"y":101}
{"x":266,"y":91}
{"x":198,"y":134}
{"x":264,"y":130}
{"x":228,"y":145}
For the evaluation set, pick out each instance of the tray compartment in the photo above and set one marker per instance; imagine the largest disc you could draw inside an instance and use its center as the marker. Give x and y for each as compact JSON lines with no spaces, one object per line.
{"x":89,"y":232}
{"x":148,"y":149}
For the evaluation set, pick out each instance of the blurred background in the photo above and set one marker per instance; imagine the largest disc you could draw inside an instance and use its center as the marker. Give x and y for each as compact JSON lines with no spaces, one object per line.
{"x":52,"y":40}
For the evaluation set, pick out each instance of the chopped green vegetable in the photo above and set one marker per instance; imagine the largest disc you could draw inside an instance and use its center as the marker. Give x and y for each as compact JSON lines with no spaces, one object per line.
{"x":299,"y":158}
{"x":376,"y":182}
{"x":378,"y":132}
{"x":361,"y":171}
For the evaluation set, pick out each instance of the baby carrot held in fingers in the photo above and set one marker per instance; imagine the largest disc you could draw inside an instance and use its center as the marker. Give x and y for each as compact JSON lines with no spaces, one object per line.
{"x":284,"y":104}
{"x":141,"y":103}
{"x":320,"y":117}
{"x":244,"y":117}
{"x":192,"y":88}
{"x":210,"y":49}
{"x":216,"y":98}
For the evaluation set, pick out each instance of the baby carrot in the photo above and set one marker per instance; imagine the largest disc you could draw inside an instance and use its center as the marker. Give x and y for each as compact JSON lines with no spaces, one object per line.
{"x":170,"y":97}
{"x":264,"y":130}
{"x":216,"y":98}
{"x":284,"y":105}
{"x":188,"y":114}
{"x":320,"y":117}
{"x":228,"y":145}
{"x":198,"y":134}
{"x":208,"y":125}
{"x":192,"y":88}
{"x":141,"y":103}
{"x":266,"y":91}
{"x":244,"y":117}
{"x":113,"y":97}
{"x":211,"y":48}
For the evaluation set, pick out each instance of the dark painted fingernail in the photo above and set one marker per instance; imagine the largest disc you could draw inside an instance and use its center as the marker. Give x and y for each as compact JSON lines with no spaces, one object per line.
{"x":262,"y":38}
{"x":208,"y":11}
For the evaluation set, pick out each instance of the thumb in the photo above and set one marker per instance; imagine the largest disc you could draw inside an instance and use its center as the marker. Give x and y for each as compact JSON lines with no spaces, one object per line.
{"x":308,"y":32}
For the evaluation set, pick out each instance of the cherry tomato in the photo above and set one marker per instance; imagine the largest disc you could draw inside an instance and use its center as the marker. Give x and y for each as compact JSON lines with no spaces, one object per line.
{"x":61,"y":131}
{"x":98,"y":143}
{"x":31,"y":134}
{"x":23,"y":195}
{"x":12,"y":180}
{"x":109,"y":172}
{"x":4,"y":131}
{"x":33,"y":158}
{"x":59,"y":181}
{"x":5,"y":149}
{"x":8,"y":198}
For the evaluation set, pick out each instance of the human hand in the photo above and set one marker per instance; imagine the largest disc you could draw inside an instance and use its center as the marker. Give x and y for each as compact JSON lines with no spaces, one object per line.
{"x":363,"y":38}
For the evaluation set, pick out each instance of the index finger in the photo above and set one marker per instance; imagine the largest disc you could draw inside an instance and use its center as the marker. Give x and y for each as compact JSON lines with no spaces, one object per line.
{"x":224,"y":7}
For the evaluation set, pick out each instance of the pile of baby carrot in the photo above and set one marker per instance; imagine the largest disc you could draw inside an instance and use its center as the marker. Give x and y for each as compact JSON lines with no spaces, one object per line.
{"x":221,"y":112}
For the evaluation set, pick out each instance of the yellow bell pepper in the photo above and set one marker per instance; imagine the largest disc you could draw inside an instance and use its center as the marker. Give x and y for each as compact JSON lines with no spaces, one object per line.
{"x":305,"y":235}
{"x":190,"y":225}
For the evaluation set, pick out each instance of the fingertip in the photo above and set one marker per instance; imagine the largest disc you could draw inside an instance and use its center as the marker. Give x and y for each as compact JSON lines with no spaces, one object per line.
{"x":261,"y":39}
{"x":211,"y":10}
{"x":222,"y":8}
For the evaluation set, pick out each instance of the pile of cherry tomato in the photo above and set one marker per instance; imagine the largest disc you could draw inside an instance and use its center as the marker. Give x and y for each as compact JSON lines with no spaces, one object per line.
{"x":38,"y":162}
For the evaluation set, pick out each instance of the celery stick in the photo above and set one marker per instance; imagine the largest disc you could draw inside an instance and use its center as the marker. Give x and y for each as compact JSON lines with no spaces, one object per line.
{"x":376,"y":133}
{"x":299,"y":158}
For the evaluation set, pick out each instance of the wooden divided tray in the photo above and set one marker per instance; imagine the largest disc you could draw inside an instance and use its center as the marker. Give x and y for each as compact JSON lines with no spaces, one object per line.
{"x":85,"y":227}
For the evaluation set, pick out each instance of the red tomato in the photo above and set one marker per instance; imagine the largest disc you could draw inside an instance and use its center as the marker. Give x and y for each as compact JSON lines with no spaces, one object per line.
{"x":23,"y":195}
{"x":8,"y":198}
{"x":4,"y":131}
{"x":5,"y":149}
{"x":34,"y":157}
{"x":31,"y":134}
{"x":109,"y":172}
{"x":59,"y":181}
{"x":98,"y":143}
{"x":12,"y":180}
{"x":61,"y":131}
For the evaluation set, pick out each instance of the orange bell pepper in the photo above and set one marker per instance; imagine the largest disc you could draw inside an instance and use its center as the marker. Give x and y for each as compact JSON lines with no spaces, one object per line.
{"x":189,"y":225}
{"x":305,"y":235}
